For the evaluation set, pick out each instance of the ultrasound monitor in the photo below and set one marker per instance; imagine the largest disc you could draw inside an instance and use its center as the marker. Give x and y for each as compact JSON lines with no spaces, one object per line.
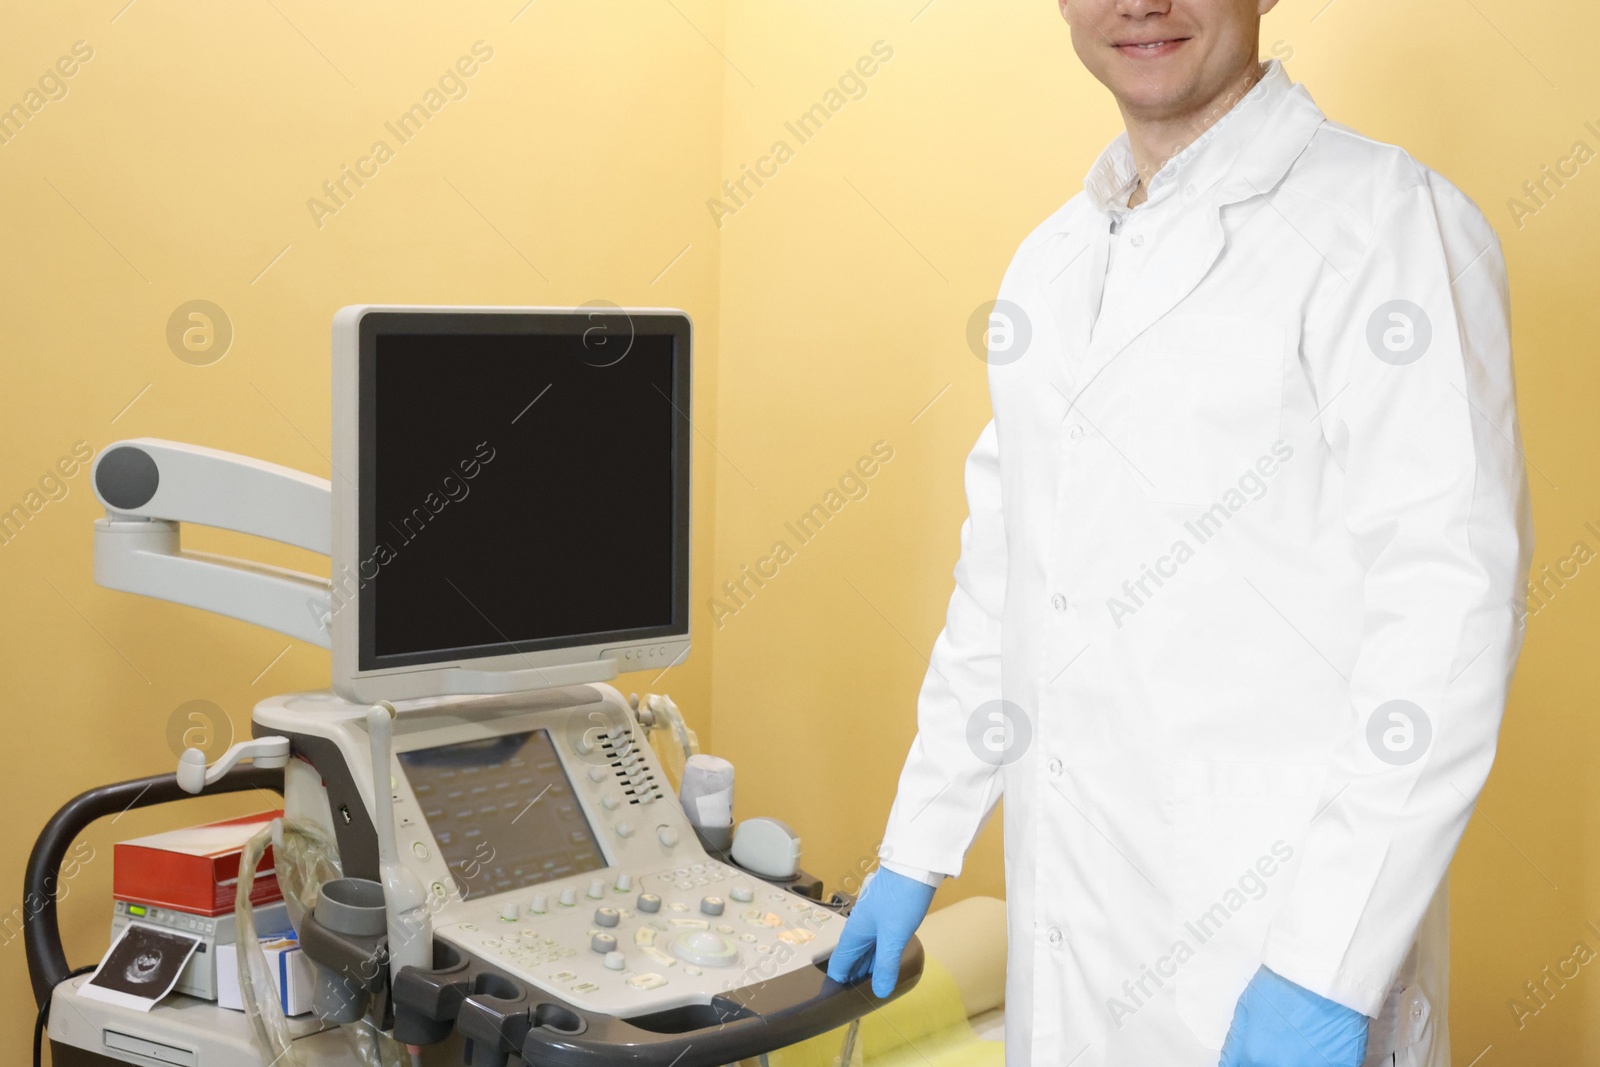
{"x":511,"y":497}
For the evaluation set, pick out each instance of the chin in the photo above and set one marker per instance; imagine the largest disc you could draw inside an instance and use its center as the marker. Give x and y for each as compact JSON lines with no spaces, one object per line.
{"x":1154,"y":97}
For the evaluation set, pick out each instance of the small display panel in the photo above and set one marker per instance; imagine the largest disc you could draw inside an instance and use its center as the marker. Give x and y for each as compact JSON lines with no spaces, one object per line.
{"x":503,"y":812}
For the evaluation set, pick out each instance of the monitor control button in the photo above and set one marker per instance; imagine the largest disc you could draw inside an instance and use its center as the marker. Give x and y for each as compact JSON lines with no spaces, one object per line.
{"x":603,"y":943}
{"x":597,"y":888}
{"x":615,"y":961}
{"x":539,"y":905}
{"x":742,"y":894}
{"x":569,"y":897}
{"x":624,"y":883}
{"x":667,"y":836}
{"x":649,"y":903}
{"x":607,"y":916}
{"x":624,"y":828}
{"x":709,"y":905}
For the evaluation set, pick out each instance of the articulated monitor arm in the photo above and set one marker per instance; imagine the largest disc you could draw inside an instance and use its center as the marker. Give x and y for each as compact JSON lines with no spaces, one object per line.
{"x":150,"y":486}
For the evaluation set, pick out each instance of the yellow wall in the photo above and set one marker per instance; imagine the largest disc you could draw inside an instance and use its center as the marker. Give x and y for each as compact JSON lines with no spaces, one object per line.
{"x":831,"y":309}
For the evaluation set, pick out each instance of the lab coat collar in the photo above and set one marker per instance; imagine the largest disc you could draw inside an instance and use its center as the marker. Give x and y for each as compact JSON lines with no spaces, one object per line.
{"x":1264,"y":147}
{"x":1198,"y":165}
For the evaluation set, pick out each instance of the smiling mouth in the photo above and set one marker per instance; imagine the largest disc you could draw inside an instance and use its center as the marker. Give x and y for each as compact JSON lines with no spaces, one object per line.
{"x":1150,"y":48}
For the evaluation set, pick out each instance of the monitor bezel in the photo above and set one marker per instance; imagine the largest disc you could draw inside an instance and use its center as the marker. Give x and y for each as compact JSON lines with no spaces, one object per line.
{"x":498,"y":669}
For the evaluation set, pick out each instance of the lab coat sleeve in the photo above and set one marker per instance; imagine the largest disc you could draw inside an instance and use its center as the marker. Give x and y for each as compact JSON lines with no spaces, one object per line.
{"x":1435,"y":502}
{"x":932,"y":878}
{"x":946,"y":791}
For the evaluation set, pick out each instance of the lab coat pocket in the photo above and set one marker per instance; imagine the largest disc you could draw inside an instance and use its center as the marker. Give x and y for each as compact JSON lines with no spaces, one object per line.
{"x":1238,"y":829}
{"x":1194,"y":405}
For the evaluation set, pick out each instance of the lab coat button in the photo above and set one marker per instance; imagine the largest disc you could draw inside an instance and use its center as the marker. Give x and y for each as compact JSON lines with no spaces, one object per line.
{"x":1055,"y":768}
{"x":1058,"y":602}
{"x":1137,"y":240}
{"x":1054,"y":937}
{"x":1074,"y":432}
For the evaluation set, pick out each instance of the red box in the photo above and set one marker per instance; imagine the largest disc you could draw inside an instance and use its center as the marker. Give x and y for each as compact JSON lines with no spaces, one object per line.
{"x":194,"y":869}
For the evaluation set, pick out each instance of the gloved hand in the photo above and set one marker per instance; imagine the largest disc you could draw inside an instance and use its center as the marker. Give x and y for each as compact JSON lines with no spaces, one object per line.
{"x":1280,"y":1024}
{"x":890,"y":909}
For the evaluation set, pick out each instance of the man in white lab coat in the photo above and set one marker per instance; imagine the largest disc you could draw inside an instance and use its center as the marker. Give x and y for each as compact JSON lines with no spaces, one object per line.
{"x":1235,"y":612}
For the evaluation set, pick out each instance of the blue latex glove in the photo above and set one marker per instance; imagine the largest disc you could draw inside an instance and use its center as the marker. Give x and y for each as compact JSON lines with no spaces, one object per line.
{"x":889,"y":911}
{"x":1280,"y":1024}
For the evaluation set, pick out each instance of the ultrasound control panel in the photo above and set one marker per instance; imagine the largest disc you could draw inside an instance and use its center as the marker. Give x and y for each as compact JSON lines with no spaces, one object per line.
{"x":556,"y":852}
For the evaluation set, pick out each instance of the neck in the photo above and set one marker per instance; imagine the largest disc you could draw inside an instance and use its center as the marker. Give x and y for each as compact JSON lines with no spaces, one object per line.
{"x":1154,"y":139}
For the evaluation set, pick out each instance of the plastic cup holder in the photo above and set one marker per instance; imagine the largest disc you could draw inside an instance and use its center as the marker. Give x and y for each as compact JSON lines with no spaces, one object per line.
{"x":351,"y":906}
{"x":497,"y":986}
{"x":561,"y":1020}
{"x":446,"y":957}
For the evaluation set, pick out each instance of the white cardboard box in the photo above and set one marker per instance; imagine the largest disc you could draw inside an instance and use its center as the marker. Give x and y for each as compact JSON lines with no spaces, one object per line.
{"x":295,"y":975}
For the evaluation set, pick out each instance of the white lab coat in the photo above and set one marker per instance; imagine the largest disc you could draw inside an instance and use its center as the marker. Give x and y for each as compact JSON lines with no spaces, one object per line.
{"x":1211,"y":534}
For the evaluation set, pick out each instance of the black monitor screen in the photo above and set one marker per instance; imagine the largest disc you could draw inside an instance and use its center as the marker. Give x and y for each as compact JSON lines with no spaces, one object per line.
{"x":523,"y":483}
{"x":503,"y":812}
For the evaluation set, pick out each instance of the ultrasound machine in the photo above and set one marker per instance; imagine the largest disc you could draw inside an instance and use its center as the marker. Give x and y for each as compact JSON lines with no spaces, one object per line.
{"x":508,"y":528}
